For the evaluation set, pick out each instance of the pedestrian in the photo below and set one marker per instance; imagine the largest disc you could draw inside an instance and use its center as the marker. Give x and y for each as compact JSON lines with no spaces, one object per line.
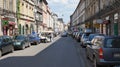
{"x":51,"y":37}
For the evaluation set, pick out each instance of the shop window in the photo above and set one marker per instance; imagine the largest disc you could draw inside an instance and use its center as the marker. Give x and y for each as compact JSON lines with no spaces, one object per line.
{"x":27,"y":27}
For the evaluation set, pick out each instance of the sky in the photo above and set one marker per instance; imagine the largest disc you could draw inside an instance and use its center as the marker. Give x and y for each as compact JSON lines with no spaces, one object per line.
{"x":63,"y":8}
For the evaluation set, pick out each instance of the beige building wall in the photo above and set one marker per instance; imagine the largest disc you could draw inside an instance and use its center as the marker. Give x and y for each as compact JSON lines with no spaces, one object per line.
{"x":8,"y":5}
{"x":1,"y":7}
{"x":27,"y":16}
{"x":44,"y":16}
{"x":1,"y":3}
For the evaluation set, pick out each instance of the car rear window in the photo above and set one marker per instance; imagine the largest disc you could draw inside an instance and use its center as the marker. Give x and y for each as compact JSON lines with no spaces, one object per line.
{"x":113,"y":43}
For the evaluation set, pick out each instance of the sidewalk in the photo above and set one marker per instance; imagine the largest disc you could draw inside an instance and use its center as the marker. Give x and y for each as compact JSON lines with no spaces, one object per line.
{"x":30,"y":51}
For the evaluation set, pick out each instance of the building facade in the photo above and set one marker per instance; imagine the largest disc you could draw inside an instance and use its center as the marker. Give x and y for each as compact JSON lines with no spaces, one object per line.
{"x":44,"y":12}
{"x":78,"y":17}
{"x":61,"y":25}
{"x":110,"y":14}
{"x":38,"y":14}
{"x":25,"y":16}
{"x":55,"y":22}
{"x":102,"y":16}
{"x":8,"y":17}
{"x":49,"y":20}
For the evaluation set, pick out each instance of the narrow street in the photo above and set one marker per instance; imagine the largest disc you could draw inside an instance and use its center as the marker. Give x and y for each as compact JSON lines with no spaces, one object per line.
{"x":64,"y":52}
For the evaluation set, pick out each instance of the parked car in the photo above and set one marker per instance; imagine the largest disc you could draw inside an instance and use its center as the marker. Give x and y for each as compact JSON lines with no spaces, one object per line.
{"x":34,"y":39}
{"x":21,"y":42}
{"x":6,"y":45}
{"x":78,"y":37}
{"x":64,"y":34}
{"x":84,"y":38}
{"x":44,"y":37}
{"x":104,"y":51}
{"x":74,"y":34}
{"x":91,"y":36}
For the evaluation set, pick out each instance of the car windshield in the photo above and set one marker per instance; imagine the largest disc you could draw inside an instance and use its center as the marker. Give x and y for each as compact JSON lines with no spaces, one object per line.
{"x":19,"y":37}
{"x":91,"y":36}
{"x":32,"y":37}
{"x":113,"y":43}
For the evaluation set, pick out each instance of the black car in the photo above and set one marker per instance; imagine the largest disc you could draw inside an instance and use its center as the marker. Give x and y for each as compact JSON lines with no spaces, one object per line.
{"x":6,"y":45}
{"x":21,"y":41}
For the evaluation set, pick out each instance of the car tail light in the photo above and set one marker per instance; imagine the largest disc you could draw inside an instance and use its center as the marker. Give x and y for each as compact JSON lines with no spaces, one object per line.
{"x":101,"y":53}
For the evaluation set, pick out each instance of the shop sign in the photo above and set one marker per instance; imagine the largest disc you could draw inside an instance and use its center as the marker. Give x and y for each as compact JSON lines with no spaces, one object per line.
{"x":100,"y":21}
{"x":106,"y":21}
{"x":4,"y":22}
{"x":97,"y":25}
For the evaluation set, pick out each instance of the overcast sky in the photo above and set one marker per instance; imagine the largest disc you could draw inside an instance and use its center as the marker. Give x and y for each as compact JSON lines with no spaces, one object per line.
{"x":63,"y":8}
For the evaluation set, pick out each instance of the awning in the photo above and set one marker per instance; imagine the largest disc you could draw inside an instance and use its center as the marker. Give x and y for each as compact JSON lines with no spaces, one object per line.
{"x":12,"y":23}
{"x":106,"y":22}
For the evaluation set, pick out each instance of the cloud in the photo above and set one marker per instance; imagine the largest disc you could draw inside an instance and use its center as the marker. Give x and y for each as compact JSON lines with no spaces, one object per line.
{"x":63,"y":7}
{"x":65,"y":1}
{"x":58,"y":1}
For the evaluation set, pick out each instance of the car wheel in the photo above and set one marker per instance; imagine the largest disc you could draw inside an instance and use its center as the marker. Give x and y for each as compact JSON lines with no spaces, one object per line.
{"x":23,"y":47}
{"x":95,"y":63}
{"x":0,"y":53}
{"x":12,"y":49}
{"x":45,"y":41}
{"x":36,"y":43}
{"x":87,"y":55}
{"x":29,"y":44}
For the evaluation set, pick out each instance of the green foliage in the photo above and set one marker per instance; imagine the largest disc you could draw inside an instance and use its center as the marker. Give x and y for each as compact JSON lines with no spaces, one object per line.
{"x":4,"y":22}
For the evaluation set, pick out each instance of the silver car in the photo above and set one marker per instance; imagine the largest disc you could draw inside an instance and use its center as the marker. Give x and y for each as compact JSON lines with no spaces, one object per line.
{"x":104,"y":51}
{"x":84,"y":39}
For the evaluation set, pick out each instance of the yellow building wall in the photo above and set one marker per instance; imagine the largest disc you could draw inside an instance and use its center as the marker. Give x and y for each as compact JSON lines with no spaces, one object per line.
{"x":28,"y":11}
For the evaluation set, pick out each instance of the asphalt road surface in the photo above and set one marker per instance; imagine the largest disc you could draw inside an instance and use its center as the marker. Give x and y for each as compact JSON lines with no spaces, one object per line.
{"x":63,"y":52}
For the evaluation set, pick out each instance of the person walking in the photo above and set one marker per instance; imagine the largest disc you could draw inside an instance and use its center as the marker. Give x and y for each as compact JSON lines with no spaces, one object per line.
{"x":51,"y":37}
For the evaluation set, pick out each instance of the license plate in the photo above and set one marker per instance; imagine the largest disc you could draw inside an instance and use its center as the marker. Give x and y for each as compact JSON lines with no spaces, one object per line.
{"x":117,"y":55}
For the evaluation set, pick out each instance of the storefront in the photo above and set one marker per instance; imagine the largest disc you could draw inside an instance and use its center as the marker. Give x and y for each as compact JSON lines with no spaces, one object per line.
{"x":8,"y":27}
{"x":11,"y":29}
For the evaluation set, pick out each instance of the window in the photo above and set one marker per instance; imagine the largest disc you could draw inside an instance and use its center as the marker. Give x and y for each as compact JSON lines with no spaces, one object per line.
{"x":22,"y":4}
{"x":112,"y":43}
{"x":4,"y":4}
{"x":26,"y":5}
{"x":29,"y":7}
{"x":11,"y":5}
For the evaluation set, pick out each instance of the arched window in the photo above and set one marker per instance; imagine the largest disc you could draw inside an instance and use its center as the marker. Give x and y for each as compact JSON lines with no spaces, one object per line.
{"x":19,"y":28}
